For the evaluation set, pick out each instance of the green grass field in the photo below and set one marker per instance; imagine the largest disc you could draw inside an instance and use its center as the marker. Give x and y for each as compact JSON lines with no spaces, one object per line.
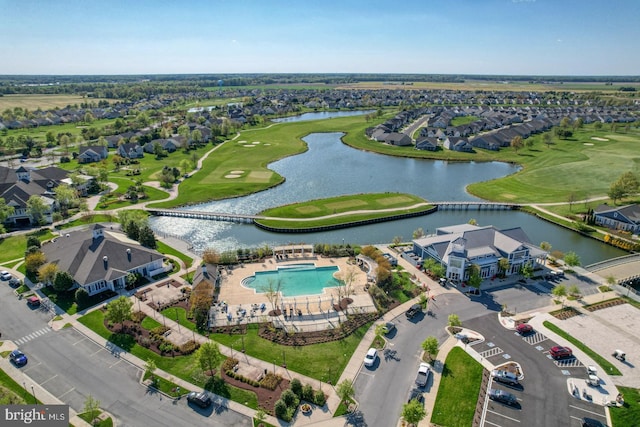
{"x":458,"y":392}
{"x":44,"y":102}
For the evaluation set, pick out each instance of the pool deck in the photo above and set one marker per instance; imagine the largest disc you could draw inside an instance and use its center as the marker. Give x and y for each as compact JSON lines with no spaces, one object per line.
{"x":237,"y":297}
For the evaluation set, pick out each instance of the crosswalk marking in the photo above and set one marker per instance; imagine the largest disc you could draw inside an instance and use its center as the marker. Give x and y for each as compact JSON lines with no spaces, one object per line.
{"x":491,"y":352}
{"x":33,"y":335}
{"x":534,"y":338}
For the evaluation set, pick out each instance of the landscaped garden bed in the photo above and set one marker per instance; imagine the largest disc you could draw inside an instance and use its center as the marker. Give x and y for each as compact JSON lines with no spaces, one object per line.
{"x":565,"y":313}
{"x":604,"y":304}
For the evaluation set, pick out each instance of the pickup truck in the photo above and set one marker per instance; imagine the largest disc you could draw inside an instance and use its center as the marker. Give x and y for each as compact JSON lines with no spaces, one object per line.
{"x":423,"y":374}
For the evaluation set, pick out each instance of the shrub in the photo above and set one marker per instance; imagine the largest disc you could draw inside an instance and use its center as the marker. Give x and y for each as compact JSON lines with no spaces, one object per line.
{"x":289,"y":398}
{"x":229,"y":363}
{"x":145,"y":342}
{"x":280,"y":409}
{"x":158,"y":331}
{"x":296,"y":387}
{"x":166,"y":347}
{"x":270,"y":381}
{"x":189,"y":347}
{"x":82,"y":297}
{"x":320,"y":399}
{"x":138,"y":316}
{"x":307,"y":393}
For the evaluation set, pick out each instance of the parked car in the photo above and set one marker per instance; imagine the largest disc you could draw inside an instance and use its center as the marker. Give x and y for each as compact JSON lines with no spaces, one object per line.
{"x":423,"y":374}
{"x":18,"y":357}
{"x":413,"y":310}
{"x":560,"y":352}
{"x":202,"y":398}
{"x":389,"y":327}
{"x":524,"y":328}
{"x":5,"y":275}
{"x":33,"y":301}
{"x":505,"y":377}
{"x":592,"y":422}
{"x":502,"y":397}
{"x":14,"y":283}
{"x":415,"y":394}
{"x":371,"y":357}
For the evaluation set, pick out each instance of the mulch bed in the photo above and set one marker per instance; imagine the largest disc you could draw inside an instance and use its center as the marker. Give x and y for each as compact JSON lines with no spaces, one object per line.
{"x":604,"y":304}
{"x":565,"y":313}
{"x":266,"y":398}
{"x":171,"y":282}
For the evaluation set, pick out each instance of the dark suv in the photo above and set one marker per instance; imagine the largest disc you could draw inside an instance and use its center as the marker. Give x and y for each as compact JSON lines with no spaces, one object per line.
{"x":413,"y":310}
{"x":202,"y":399}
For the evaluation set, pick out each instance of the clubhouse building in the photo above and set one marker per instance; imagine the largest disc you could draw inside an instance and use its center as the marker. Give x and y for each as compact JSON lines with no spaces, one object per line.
{"x":458,"y":247}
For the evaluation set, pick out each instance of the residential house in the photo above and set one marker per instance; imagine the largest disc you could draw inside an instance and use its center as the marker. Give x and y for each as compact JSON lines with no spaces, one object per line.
{"x":17,"y":186}
{"x":427,"y":143}
{"x":100,"y":259}
{"x":460,"y":246}
{"x":457,"y":144}
{"x":130,"y":150}
{"x":92,"y":154}
{"x":207,"y":278}
{"x":625,"y":218}
{"x":399,"y":139}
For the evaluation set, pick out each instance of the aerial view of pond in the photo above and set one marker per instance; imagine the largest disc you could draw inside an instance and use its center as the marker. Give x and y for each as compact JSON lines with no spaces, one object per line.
{"x":330,"y":168}
{"x":321,"y":115}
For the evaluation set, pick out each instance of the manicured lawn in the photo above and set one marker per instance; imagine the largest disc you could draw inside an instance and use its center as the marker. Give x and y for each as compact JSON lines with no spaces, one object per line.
{"x":629,"y":414}
{"x":179,"y":314}
{"x":458,"y":391}
{"x":167,"y":386}
{"x":89,"y":218}
{"x":16,"y":395}
{"x":107,"y":422}
{"x":604,"y":363}
{"x":346,"y":207}
{"x":13,"y":247}
{"x":149,"y":323}
{"x":184,"y":367}
{"x":168,"y":250}
{"x":324,"y":361}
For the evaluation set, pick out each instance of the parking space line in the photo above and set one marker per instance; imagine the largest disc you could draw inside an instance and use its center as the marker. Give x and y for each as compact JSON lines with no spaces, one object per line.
{"x":587,"y":411}
{"x":119,"y":360}
{"x":493,"y":424}
{"x":65,"y":393}
{"x":46,"y":381}
{"x":79,"y":341}
{"x":503,"y":416}
{"x":96,"y":352}
{"x":491,"y":352}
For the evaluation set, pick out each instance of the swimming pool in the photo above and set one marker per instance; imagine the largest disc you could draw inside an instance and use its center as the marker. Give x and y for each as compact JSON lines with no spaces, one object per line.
{"x":295,"y":280}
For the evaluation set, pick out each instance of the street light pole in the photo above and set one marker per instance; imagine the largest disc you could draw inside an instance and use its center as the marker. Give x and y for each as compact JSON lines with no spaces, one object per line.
{"x":177,"y":320}
{"x":35,"y":401}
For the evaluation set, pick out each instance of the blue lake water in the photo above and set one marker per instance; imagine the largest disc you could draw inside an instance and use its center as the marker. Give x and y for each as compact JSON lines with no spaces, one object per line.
{"x":295,"y":280}
{"x":320,"y":116}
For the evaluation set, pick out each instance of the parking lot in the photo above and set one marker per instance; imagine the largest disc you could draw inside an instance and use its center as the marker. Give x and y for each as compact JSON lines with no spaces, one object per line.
{"x":543,"y":395}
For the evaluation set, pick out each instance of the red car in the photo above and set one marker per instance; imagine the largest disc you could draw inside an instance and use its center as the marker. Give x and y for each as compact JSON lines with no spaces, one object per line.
{"x":560,"y":352}
{"x":524,"y":328}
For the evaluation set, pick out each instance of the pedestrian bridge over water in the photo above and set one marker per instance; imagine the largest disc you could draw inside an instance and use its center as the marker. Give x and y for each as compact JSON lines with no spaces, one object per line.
{"x":242,"y":218}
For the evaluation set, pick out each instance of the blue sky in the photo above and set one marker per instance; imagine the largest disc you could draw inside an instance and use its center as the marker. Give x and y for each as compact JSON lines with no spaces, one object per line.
{"x":533,"y":37}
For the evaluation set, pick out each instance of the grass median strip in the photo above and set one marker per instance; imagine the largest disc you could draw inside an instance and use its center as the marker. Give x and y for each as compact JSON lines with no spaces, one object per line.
{"x":458,"y":391}
{"x":604,"y":364}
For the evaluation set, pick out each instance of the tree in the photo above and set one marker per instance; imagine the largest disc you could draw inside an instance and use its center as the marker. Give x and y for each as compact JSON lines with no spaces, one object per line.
{"x":209,"y":356}
{"x":547,"y":138}
{"x":33,"y":241}
{"x":380,"y":329}
{"x":565,"y":122}
{"x":472,"y":221}
{"x":200,"y":302}
{"x":5,"y":212}
{"x":413,"y":412}
{"x":475,"y":279}
{"x":516,"y":143}
{"x":616,"y":191}
{"x":66,"y":197}
{"x":63,"y":281}
{"x":119,"y":310}
{"x":347,"y":279}
{"x":345,"y":391}
{"x":147,"y":238}
{"x":272,"y":292}
{"x":545,"y":246}
{"x":611,"y":280}
{"x":33,"y":261}
{"x":572,"y":259}
{"x":574,"y":291}
{"x":559,"y":291}
{"x":36,"y":208}
{"x":454,"y":320}
{"x":430,"y":346}
{"x":92,"y":407}
{"x":526,"y":270}
{"x":150,"y":369}
{"x":597,"y":126}
{"x":47,"y":272}
{"x":82,"y":297}
{"x":397,"y":240}
{"x":418,"y":233}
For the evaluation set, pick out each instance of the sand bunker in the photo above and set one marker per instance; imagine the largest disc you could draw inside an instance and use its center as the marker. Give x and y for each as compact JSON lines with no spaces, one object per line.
{"x":588,"y":143}
{"x":597,"y":138}
{"x":242,"y":142}
{"x":236,"y":172}
{"x":256,"y":142}
{"x":232,"y":175}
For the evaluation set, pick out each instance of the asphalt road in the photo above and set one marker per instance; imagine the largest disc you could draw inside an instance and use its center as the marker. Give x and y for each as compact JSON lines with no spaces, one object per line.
{"x":382,"y":389}
{"x":71,"y":367}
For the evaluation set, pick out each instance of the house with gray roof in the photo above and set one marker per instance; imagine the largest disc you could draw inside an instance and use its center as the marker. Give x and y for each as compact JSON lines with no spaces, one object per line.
{"x":460,"y":246}
{"x":625,"y":218}
{"x":92,"y":154}
{"x":99,"y":259}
